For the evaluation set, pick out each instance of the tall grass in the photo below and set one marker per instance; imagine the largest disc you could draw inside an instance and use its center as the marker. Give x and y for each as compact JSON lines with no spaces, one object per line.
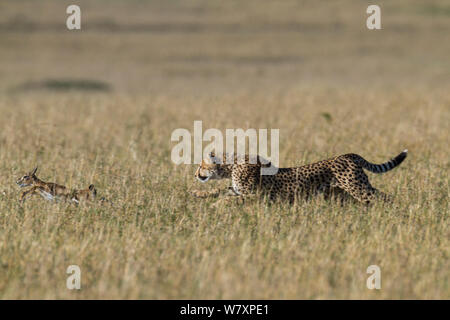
{"x":330,"y":86}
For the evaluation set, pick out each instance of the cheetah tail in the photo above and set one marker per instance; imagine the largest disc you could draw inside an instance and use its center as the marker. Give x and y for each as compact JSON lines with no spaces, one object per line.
{"x":384,"y":167}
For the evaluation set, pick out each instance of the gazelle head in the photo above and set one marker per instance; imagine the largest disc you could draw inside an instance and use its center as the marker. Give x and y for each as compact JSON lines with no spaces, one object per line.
{"x":28,"y":179}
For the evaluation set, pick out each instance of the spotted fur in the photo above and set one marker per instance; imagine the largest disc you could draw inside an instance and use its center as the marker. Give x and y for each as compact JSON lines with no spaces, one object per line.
{"x":344,"y":173}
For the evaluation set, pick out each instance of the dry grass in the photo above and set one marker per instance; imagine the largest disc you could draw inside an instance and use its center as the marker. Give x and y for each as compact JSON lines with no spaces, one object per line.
{"x":385,"y":91}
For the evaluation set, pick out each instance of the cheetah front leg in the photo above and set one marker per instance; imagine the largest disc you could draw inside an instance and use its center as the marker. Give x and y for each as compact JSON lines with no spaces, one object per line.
{"x":214,"y":193}
{"x":230,"y":196}
{"x":233,"y":200}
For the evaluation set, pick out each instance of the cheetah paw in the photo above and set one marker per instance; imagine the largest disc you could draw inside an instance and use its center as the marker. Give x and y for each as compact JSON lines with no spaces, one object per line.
{"x":205,"y":194}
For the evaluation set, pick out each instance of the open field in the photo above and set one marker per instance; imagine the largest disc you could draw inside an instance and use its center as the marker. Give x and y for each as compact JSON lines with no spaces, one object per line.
{"x":99,"y":106}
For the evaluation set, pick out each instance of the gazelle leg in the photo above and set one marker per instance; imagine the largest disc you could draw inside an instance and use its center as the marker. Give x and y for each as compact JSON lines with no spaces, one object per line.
{"x":28,"y":193}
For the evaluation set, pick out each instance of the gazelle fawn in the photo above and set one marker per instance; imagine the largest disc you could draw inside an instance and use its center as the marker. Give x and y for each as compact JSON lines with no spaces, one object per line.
{"x":51,"y":190}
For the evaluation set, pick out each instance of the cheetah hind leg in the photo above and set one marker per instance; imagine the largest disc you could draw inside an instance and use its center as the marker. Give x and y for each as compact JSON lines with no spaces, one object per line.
{"x":361,"y":189}
{"x":369,"y":195}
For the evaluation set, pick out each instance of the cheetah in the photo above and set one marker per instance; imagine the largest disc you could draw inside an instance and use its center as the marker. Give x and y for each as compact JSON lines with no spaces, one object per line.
{"x":341,"y":174}
{"x":52,"y":191}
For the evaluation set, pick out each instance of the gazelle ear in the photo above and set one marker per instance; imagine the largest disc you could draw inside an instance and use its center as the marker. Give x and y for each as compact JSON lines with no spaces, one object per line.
{"x":34,"y":171}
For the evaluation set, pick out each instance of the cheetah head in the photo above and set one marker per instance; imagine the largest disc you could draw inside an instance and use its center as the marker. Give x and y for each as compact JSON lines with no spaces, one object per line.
{"x":212,"y":168}
{"x":27,"y":179}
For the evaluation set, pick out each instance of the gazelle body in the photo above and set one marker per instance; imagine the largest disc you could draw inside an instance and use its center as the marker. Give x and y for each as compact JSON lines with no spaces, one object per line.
{"x":84,"y":194}
{"x":52,"y":191}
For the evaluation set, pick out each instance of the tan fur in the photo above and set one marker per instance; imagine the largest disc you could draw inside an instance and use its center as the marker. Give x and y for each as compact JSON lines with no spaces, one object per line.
{"x":51,"y":190}
{"x":341,"y":174}
{"x":89,"y":193}
{"x":47,"y":190}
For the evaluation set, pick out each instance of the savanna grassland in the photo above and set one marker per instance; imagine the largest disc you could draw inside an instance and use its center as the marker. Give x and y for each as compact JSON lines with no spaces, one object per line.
{"x":99,"y":106}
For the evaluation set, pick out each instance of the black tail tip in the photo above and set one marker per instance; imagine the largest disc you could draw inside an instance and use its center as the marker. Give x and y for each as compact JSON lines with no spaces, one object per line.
{"x":398,"y":159}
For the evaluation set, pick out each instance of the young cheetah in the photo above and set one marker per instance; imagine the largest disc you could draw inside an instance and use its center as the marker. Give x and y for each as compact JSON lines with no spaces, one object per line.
{"x":343,"y":173}
{"x":52,"y":191}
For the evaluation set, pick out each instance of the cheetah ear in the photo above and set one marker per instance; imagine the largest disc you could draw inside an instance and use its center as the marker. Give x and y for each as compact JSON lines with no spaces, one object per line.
{"x":264,"y":162}
{"x":32,"y":173}
{"x":212,"y":157}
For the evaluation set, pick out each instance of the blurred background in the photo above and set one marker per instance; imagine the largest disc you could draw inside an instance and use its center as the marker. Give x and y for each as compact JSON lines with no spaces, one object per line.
{"x":187,"y":45}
